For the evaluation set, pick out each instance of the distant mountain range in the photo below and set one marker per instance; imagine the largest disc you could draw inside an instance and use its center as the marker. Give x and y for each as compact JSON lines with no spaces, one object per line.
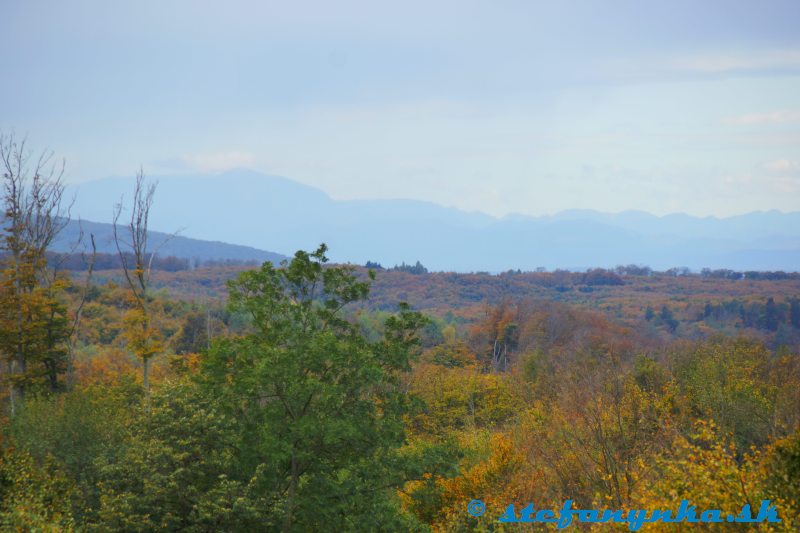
{"x":260,"y":212}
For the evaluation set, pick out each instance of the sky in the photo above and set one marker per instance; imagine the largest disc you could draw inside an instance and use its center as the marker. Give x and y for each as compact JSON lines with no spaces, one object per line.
{"x":503,"y":107}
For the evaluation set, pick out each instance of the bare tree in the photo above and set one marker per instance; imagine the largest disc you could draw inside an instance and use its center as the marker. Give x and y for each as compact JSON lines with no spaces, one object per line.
{"x":33,"y":192}
{"x":137,"y":264}
{"x":33,"y":215}
{"x":138,"y":273}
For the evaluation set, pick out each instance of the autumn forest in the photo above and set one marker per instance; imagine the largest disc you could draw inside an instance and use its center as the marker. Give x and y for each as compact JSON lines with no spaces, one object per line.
{"x":143,"y":393}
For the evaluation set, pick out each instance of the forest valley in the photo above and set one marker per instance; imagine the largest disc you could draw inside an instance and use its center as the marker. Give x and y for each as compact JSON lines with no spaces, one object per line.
{"x":310,"y":396}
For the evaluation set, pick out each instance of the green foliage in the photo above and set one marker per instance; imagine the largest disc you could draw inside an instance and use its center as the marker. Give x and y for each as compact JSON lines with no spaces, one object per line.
{"x":171,"y":471}
{"x":75,"y":430}
{"x":782,"y":474}
{"x":726,"y":381}
{"x":650,"y":375}
{"x":319,"y":407}
{"x":34,"y":497}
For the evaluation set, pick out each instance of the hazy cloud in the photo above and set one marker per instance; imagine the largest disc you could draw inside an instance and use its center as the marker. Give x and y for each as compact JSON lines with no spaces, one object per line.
{"x":772,"y":117}
{"x":526,"y":107}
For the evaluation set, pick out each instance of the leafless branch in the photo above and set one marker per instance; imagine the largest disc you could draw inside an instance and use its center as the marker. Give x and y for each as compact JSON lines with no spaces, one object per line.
{"x":138,"y":273}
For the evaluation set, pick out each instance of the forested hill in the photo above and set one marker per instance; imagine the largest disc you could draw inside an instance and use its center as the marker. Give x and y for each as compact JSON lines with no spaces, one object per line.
{"x":164,"y":244}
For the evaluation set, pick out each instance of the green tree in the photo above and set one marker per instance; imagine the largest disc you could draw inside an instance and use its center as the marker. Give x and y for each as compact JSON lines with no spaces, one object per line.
{"x":78,"y":431}
{"x":319,"y":407}
{"x":727,"y":381}
{"x":171,"y":472}
{"x":34,"y":497}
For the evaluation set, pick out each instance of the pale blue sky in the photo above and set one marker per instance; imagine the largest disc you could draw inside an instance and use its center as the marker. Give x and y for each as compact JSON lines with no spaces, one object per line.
{"x":501,"y":106}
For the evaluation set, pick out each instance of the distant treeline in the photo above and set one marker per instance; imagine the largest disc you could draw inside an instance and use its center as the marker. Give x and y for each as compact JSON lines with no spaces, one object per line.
{"x":105,"y":261}
{"x":719,"y":273}
{"x":417,"y":268}
{"x":613,"y":276}
{"x":595,"y":276}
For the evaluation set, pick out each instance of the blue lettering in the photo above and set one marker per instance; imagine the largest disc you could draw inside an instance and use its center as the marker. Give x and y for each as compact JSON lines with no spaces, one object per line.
{"x":686,"y":513}
{"x":767,"y":512}
{"x":508,"y":516}
{"x":636,"y":519}
{"x":566,"y":515}
{"x":526,"y":515}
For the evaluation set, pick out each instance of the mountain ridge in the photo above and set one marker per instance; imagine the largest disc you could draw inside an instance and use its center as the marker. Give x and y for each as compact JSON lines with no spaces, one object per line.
{"x":74,"y":238}
{"x":275,"y":213}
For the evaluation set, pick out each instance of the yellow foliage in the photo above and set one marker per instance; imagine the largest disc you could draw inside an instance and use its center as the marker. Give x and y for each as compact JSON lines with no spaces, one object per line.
{"x":498,"y":479}
{"x":462,"y":397}
{"x":143,"y":339}
{"x":704,"y":469}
